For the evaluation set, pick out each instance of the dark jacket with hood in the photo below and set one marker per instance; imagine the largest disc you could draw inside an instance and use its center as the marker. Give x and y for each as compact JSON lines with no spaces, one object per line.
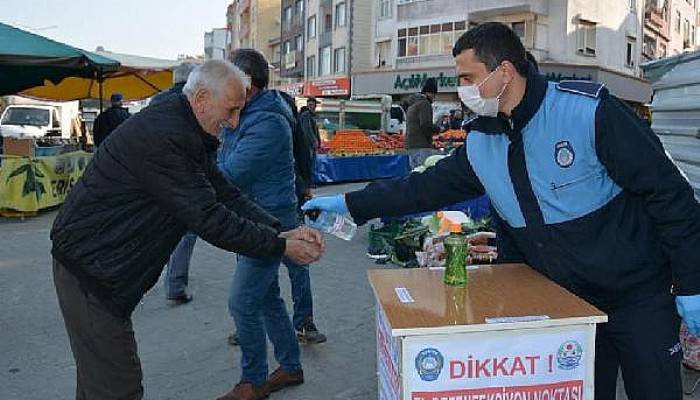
{"x":257,"y":155}
{"x":419,"y":122}
{"x":149,"y":182}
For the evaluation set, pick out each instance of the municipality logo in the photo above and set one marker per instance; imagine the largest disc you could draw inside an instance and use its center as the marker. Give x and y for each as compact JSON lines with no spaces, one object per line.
{"x":569,"y":355}
{"x":429,"y":364}
{"x":564,"y":154}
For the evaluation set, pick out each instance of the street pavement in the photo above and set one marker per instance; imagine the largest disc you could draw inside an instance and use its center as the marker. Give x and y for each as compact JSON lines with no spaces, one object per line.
{"x":183,"y":349}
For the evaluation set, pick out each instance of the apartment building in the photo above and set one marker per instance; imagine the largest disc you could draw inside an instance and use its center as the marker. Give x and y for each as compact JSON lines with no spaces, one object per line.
{"x":257,"y":24}
{"x":595,"y":39}
{"x":292,"y":40}
{"x":337,"y":38}
{"x":217,"y":44}
{"x":670,"y":28}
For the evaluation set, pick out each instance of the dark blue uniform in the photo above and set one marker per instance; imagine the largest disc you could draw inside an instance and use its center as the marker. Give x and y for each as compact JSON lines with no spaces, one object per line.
{"x":585,"y":194}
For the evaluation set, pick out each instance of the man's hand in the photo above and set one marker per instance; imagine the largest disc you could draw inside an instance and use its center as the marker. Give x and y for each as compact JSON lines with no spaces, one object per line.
{"x":334,"y":204}
{"x":306,"y":234}
{"x":302,"y":251}
{"x":689,"y":309}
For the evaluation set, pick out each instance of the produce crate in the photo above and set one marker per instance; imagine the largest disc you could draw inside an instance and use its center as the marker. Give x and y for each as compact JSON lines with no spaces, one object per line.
{"x":18,"y":147}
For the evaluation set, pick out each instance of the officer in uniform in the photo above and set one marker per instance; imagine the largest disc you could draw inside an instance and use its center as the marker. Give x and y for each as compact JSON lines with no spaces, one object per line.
{"x":583,"y":192}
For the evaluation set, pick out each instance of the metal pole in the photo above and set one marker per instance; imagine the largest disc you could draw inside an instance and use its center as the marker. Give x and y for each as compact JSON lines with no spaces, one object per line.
{"x":100,"y":80}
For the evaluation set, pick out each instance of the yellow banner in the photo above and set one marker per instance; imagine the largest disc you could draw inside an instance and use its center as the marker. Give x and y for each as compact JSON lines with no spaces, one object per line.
{"x":31,"y":184}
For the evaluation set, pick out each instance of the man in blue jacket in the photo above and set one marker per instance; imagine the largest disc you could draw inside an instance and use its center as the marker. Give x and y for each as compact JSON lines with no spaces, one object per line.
{"x":257,"y":157}
{"x":585,"y":194}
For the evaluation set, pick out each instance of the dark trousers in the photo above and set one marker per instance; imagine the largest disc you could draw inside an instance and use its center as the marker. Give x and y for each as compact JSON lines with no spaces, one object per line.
{"x":104,"y":348}
{"x":642,"y":340}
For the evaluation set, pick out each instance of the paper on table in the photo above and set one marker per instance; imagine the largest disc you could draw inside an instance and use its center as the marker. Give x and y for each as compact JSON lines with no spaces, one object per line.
{"x":404,"y":295}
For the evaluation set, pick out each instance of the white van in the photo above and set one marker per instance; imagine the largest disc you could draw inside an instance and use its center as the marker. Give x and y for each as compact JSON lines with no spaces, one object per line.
{"x":30,"y":121}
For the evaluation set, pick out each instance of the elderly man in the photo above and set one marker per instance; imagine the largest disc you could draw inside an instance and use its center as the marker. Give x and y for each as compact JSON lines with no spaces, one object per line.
{"x":152,"y":181}
{"x":178,"y":270}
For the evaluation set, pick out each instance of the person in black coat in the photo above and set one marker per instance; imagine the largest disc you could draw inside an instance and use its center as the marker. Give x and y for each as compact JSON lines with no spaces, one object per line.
{"x":110,"y":119}
{"x":153,"y":180}
{"x":309,"y":143}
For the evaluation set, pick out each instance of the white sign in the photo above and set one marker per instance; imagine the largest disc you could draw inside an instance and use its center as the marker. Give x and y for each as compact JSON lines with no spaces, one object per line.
{"x":387,"y":360}
{"x":542,"y":364}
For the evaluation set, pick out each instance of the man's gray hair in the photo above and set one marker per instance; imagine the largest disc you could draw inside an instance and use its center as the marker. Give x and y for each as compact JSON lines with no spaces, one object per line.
{"x":212,"y":75}
{"x":182,"y":72}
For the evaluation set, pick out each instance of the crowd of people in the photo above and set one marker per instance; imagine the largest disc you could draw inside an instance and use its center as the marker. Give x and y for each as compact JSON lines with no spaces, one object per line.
{"x":581,"y":190}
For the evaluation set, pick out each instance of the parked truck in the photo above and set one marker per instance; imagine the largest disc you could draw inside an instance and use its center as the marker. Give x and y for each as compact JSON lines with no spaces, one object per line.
{"x":28,"y":118}
{"x":369,"y":112}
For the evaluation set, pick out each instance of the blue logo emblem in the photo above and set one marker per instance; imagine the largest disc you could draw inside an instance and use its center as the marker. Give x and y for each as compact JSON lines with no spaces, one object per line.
{"x":564,"y":154}
{"x":569,"y":355}
{"x":429,"y":364}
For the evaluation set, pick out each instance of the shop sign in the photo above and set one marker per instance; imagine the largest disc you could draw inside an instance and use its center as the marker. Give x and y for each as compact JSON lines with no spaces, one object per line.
{"x":548,"y":364}
{"x":415,"y":81}
{"x":292,"y":89}
{"x":328,"y":87}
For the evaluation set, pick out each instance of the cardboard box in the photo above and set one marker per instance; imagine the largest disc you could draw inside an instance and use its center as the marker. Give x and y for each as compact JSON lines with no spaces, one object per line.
{"x":18,"y":147}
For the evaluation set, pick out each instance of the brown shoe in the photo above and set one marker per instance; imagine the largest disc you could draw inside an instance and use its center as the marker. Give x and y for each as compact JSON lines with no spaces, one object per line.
{"x":245,"y":391}
{"x":281,"y":379}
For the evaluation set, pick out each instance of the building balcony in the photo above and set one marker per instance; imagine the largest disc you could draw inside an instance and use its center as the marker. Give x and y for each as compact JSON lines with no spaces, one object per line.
{"x":425,"y":61}
{"x":654,"y":17}
{"x":409,"y":10}
{"x":487,"y":8}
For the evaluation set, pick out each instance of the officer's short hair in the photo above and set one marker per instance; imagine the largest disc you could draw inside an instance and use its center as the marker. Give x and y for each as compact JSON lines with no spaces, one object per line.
{"x":493,"y":43}
{"x":254,"y":64}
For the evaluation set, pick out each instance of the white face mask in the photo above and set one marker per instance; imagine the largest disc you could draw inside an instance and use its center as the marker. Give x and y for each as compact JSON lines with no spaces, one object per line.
{"x":471,"y":97}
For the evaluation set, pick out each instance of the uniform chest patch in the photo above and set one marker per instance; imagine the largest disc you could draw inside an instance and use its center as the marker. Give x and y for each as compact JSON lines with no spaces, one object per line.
{"x":564,"y":154}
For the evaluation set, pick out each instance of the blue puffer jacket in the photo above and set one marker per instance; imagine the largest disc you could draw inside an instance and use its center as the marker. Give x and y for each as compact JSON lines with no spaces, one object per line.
{"x":257,"y":156}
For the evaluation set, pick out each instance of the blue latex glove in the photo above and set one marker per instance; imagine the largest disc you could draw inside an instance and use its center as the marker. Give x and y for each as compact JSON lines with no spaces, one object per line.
{"x":334,"y":204}
{"x":689,"y":309}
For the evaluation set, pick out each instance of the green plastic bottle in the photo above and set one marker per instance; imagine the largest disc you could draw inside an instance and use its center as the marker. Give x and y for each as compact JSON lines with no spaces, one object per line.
{"x":456,"y":249}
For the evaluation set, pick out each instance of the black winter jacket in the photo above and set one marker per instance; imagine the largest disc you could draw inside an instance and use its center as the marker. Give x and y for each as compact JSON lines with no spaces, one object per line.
{"x":153,"y":179}
{"x":107,"y":122}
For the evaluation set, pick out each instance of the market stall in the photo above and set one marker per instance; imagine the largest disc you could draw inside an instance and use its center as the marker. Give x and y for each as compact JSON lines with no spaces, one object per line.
{"x":359,"y":168}
{"x":35,"y":176}
{"x":511,"y":333}
{"x":353,"y":155}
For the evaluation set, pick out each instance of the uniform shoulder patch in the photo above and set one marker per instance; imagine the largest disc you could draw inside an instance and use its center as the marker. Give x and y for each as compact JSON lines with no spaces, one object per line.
{"x":586,"y":88}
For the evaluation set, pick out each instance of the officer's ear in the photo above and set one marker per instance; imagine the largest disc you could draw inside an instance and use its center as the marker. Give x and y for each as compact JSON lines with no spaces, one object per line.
{"x":509,"y":71}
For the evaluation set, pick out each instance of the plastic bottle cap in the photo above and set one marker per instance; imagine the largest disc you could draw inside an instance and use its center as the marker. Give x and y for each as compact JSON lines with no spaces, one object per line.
{"x":455,"y":228}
